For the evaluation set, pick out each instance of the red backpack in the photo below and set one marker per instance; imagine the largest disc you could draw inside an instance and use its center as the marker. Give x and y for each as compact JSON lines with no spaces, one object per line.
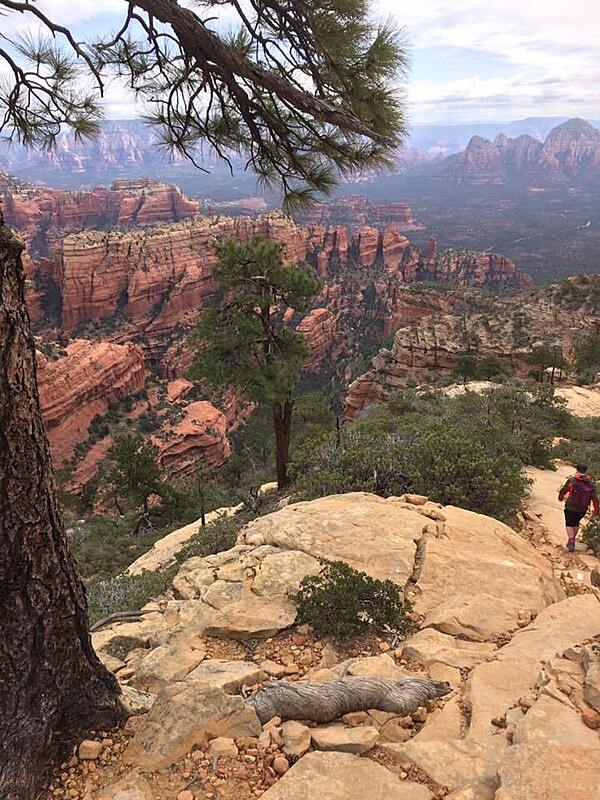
{"x":582,"y":494}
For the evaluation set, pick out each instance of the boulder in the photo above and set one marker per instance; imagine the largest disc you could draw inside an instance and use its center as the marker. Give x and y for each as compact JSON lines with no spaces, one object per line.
{"x":166,"y":664}
{"x":332,"y":776}
{"x":359,"y":528}
{"x":252,"y":619}
{"x":229,"y":676}
{"x":187,"y":714}
{"x":344,"y":739}
{"x":193,"y":579}
{"x":280,"y":574}
{"x":382,"y":666}
{"x":222,"y":593}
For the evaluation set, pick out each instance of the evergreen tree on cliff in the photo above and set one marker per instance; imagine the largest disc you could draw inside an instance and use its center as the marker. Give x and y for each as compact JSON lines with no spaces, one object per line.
{"x":242,"y":339}
{"x":307,"y":92}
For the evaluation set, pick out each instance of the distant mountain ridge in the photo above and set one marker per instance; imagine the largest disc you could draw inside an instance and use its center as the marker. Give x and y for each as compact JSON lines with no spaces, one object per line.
{"x":570,"y":151}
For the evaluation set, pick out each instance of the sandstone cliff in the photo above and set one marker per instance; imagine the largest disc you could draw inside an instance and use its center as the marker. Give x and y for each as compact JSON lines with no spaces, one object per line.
{"x":198,"y":439}
{"x":46,"y":215}
{"x":506,"y":327}
{"x":83,"y":383}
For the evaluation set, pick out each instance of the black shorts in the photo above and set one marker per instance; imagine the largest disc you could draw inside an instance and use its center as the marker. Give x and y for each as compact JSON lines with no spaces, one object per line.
{"x":573,"y":518}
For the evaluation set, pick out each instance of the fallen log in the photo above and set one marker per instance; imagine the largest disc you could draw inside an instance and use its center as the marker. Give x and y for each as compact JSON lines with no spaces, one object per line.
{"x":324,"y":702}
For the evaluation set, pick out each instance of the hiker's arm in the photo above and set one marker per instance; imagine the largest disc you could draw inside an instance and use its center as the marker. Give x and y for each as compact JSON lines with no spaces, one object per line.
{"x":565,"y":490}
{"x":595,"y":502}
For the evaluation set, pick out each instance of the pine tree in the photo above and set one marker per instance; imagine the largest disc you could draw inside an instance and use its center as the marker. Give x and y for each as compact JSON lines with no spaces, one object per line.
{"x":242,"y":340}
{"x":135,"y":474}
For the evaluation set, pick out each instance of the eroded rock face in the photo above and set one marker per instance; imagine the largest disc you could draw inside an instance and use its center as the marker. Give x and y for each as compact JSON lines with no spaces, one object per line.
{"x":199,"y":437}
{"x":355,"y":211}
{"x":81,"y":384}
{"x":319,"y":329}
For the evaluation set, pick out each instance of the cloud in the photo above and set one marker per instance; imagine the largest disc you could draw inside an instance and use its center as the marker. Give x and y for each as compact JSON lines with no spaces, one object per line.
{"x":550,"y":49}
{"x":473,"y":60}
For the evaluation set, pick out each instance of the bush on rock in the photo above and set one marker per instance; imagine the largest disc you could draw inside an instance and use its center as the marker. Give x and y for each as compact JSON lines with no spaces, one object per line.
{"x":343,"y":602}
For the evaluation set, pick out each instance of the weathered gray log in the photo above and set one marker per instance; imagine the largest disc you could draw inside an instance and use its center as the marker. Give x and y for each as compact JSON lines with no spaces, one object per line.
{"x":324,"y":702}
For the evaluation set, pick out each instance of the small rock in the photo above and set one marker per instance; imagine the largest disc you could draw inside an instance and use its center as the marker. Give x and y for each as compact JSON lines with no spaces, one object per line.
{"x":414,"y":499}
{"x":223,"y":747}
{"x":355,"y":718}
{"x":272,"y":669}
{"x":420,"y":715}
{"x":281,"y":765}
{"x":89,"y":750}
{"x":296,"y":738}
{"x":274,"y":722}
{"x":292,"y":669}
{"x":185,"y":795}
{"x":590,"y":717}
{"x":345,"y":740}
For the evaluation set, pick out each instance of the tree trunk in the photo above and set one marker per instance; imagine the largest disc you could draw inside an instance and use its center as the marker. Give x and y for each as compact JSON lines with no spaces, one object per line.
{"x":52,"y":685}
{"x":282,"y":419}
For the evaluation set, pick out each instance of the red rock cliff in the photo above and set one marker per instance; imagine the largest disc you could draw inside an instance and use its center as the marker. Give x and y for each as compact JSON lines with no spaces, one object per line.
{"x":83,"y":383}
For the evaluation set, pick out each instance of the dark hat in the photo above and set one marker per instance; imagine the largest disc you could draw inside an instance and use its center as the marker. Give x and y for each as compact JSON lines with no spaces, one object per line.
{"x":581,"y":467}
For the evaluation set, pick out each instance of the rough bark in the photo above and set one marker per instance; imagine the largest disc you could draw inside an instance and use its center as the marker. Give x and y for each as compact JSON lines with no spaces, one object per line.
{"x":324,"y":702}
{"x":52,"y":685}
{"x":282,"y":419}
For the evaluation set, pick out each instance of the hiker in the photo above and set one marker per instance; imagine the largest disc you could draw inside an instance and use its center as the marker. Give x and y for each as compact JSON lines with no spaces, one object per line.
{"x":578,"y":492}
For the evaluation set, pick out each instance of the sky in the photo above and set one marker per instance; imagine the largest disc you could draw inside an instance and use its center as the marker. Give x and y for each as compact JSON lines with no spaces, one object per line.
{"x":471,"y":60}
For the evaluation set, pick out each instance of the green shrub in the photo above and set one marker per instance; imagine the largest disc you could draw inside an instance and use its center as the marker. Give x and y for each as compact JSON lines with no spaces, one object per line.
{"x":125,"y":592}
{"x":453,"y":469}
{"x":591,"y":535}
{"x":214,"y":537}
{"x":342,"y":602}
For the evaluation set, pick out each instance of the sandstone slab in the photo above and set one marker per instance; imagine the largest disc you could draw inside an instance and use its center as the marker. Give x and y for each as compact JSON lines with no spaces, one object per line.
{"x":344,"y":739}
{"x":495,"y":686}
{"x":229,"y":676}
{"x":453,"y":764}
{"x":332,"y":776}
{"x":252,"y":619}
{"x":552,"y":770}
{"x":455,"y":600}
{"x":168,"y":663}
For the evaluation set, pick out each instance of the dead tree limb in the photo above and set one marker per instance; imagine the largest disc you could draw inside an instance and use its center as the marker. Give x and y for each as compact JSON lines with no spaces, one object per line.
{"x":324,"y":702}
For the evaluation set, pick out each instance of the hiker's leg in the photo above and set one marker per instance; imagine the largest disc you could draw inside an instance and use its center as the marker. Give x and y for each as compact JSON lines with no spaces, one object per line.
{"x":571,"y":535}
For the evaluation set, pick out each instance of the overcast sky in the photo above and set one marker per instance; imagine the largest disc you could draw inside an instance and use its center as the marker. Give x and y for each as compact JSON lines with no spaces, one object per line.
{"x":472,"y":60}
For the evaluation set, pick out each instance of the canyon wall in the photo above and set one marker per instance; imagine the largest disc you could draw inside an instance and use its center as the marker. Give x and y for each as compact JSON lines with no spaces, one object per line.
{"x":82,"y":383}
{"x":44,"y":216}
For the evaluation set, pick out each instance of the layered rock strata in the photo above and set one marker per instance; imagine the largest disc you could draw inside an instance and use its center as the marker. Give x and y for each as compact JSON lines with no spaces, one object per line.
{"x":82,"y":383}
